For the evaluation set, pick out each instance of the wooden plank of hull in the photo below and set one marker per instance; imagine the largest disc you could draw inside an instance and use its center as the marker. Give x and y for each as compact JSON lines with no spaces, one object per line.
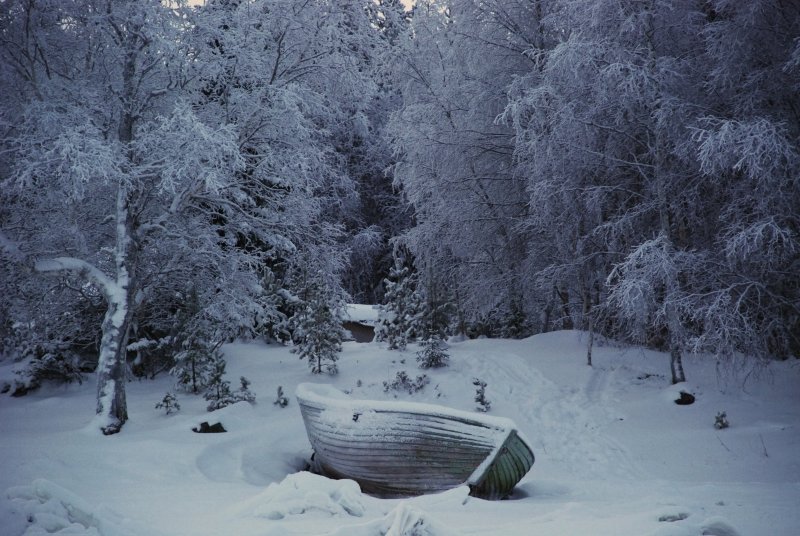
{"x":403,"y":452}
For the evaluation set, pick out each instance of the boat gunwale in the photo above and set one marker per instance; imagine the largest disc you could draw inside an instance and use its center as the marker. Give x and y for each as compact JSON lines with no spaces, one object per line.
{"x":305,"y":393}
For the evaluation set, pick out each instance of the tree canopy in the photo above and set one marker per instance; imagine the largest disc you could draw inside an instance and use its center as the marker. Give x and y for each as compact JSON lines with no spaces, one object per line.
{"x":175,"y":176}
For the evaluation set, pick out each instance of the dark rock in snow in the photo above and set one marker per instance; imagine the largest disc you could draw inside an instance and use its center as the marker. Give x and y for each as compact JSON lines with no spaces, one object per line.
{"x":685,"y":399}
{"x":204,"y":428}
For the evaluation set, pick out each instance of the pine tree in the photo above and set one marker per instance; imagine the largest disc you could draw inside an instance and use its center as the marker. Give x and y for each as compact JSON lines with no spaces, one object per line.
{"x":195,"y":364}
{"x":402,"y":313}
{"x":169,"y":404}
{"x":433,"y":353}
{"x":515,"y":323}
{"x":318,"y":329}
{"x":218,"y":390}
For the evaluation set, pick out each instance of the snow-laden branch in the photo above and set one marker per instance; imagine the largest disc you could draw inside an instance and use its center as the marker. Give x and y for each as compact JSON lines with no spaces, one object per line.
{"x":61,"y":264}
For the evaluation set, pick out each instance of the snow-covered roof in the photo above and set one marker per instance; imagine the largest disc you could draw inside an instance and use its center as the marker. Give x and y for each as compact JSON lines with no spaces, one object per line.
{"x":362,"y":313}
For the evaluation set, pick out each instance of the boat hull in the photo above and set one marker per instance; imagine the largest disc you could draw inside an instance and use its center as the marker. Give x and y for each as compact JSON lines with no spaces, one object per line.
{"x":402,"y":449}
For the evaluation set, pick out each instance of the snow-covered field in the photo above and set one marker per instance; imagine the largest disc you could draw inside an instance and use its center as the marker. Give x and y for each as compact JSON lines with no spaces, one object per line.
{"x":614,"y":454}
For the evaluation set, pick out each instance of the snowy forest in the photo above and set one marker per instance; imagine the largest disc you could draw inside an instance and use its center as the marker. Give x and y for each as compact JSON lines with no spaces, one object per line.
{"x":174,"y":177}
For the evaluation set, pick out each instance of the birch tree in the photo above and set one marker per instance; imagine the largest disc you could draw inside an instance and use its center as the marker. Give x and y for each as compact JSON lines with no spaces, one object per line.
{"x":747,"y":144}
{"x":455,"y":161}
{"x":144,"y":188}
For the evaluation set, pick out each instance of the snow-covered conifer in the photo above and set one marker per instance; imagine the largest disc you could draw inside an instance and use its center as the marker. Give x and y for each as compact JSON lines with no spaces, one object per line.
{"x":432,"y":353}
{"x":401,"y":316}
{"x":318,"y":330}
{"x":195,"y":364}
{"x":169,"y":404}
{"x":218,"y":390}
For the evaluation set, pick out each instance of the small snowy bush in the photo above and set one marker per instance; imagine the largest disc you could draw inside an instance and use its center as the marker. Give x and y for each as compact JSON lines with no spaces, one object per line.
{"x":484,"y":404}
{"x":721,"y":421}
{"x":169,"y":404}
{"x":281,"y":400}
{"x":403,"y":382}
{"x":47,"y":366}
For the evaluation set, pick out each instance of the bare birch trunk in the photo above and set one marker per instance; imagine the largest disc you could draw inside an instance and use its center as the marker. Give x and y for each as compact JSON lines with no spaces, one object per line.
{"x":112,"y":409}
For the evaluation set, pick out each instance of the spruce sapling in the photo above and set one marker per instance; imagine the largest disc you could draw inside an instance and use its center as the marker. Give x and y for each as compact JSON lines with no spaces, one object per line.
{"x":433,"y":353}
{"x":484,"y":404}
{"x":169,"y":403}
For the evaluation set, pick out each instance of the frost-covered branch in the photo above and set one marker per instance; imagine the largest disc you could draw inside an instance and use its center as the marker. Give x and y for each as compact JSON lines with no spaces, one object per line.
{"x":60,"y":264}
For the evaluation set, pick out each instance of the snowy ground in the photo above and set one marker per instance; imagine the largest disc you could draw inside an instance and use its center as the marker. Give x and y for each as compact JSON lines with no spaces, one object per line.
{"x":614,"y":454}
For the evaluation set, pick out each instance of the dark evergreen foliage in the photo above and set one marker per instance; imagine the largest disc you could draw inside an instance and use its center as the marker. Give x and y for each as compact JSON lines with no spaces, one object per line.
{"x":433,"y":353}
{"x":169,"y":404}
{"x":402,"y":315}
{"x":318,"y":330}
{"x":218,"y":390}
{"x":484,"y":404}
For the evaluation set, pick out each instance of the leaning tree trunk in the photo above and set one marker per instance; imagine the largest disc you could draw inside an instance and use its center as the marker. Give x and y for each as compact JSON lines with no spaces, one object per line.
{"x":119,"y":292}
{"x":112,"y":408}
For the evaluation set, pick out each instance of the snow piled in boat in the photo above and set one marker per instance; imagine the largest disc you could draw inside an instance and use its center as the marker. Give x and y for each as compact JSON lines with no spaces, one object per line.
{"x":334,"y":399}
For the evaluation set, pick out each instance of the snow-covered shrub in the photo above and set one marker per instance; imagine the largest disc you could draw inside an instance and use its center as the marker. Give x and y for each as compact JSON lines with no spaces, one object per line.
{"x":169,"y":404}
{"x":484,"y":404}
{"x":721,"y":421}
{"x":51,"y":346}
{"x":244,"y":393}
{"x":46,"y":361}
{"x":281,"y":400}
{"x":433,"y":353}
{"x":403,"y":382}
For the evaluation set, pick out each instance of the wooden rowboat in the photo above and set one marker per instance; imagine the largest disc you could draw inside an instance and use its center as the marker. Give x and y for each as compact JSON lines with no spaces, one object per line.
{"x":397,"y":449}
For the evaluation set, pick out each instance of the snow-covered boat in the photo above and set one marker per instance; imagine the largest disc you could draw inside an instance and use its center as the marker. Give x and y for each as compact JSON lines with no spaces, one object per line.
{"x":402,"y":448}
